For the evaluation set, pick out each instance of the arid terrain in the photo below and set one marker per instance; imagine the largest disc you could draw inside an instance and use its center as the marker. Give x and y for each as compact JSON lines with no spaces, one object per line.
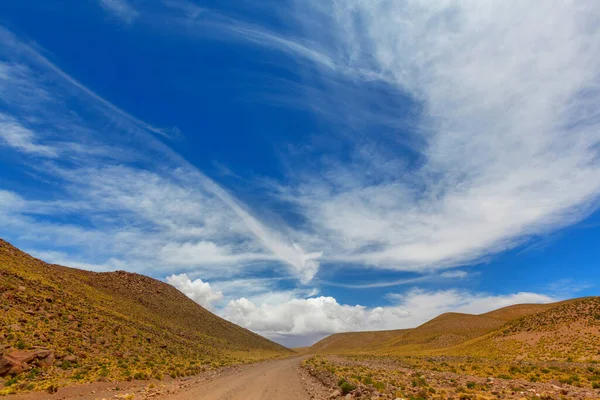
{"x":529,"y":351}
{"x":61,"y":326}
{"x":67,"y":333}
{"x":273,"y":379}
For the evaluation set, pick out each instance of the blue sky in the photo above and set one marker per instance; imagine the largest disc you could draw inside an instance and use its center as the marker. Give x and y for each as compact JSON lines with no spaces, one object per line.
{"x":308,"y":167}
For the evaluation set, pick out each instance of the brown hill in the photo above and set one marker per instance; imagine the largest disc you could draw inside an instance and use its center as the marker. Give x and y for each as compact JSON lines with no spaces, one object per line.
{"x":522,"y":310}
{"x":112,"y":326}
{"x":568,"y":330}
{"x":353,"y":342}
{"x":444,"y":331}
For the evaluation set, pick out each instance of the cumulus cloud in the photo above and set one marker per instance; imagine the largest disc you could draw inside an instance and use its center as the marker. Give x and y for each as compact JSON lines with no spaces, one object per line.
{"x":197,"y":290}
{"x":301,"y":318}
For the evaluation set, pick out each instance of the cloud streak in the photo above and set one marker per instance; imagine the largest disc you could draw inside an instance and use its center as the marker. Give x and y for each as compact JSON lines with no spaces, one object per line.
{"x":121,"y":9}
{"x":467,"y":129}
{"x":509,"y":137}
{"x":146,"y":205}
{"x":494,"y":139}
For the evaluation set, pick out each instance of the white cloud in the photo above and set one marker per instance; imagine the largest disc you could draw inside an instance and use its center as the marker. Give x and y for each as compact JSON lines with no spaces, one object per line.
{"x":502,"y":134}
{"x":458,"y":274}
{"x":121,"y":9}
{"x":22,"y":139}
{"x":504,"y":146}
{"x":320,"y":316}
{"x":507,"y":139}
{"x":197,"y":290}
{"x":148,"y":206}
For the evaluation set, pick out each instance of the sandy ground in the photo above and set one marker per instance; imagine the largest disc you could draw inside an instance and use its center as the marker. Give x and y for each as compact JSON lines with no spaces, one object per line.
{"x":270,"y":380}
{"x":277,"y":380}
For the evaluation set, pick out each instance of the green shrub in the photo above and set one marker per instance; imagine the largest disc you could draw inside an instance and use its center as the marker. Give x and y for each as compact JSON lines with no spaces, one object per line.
{"x":514,"y":369}
{"x":346,"y":386}
{"x":78,"y":376}
{"x":33,"y":373}
{"x":11,"y":381}
{"x":139,"y":376}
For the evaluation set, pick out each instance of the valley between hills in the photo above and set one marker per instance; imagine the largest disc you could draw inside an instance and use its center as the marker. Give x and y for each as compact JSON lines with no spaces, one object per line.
{"x":67,"y":333}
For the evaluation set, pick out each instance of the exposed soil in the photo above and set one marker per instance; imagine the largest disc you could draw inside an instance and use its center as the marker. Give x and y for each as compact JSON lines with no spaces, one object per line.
{"x":272,"y":380}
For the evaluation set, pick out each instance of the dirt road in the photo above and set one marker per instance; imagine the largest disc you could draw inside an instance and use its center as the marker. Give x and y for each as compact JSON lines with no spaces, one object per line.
{"x":275,"y":380}
{"x":269,"y":380}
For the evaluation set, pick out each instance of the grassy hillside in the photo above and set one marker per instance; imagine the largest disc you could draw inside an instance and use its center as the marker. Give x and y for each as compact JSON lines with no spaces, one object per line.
{"x":522,"y":310}
{"x":109,"y":326}
{"x":567,"y":331}
{"x":444,"y":331}
{"x":558,"y":331}
{"x":354,"y":342}
{"x":527,"y":351}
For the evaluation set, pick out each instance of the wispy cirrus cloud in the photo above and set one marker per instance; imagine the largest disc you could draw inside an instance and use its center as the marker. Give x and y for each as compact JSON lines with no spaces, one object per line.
{"x":508,"y":135}
{"x":492,"y":139}
{"x":18,"y":137}
{"x":504,"y":143}
{"x":459,"y":130}
{"x":111,"y":203}
{"x":122,"y":9}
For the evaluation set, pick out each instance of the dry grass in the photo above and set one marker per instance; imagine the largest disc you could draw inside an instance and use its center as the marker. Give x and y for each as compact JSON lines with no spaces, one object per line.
{"x":354,"y":342}
{"x":444,"y":331}
{"x":455,"y":378}
{"x":568,"y":330}
{"x":527,"y":351}
{"x":114,"y":326}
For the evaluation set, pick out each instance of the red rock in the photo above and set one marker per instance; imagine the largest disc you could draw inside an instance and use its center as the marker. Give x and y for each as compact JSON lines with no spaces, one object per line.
{"x":5,"y":365}
{"x":71,"y":358}
{"x":18,"y":361}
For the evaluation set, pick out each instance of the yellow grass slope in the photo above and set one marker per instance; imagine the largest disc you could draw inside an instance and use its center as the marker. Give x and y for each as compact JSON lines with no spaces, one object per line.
{"x":516,"y":311}
{"x":354,"y":342}
{"x":562,"y":330}
{"x":569,"y":330}
{"x":110,"y":325}
{"x":444,"y":331}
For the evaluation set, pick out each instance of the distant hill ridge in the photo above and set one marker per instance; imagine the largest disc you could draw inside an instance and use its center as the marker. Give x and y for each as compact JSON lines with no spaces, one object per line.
{"x":568,"y":329}
{"x":114,"y":325}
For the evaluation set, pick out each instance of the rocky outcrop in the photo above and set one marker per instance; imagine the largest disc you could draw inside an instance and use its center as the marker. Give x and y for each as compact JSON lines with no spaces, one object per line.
{"x":19,"y":361}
